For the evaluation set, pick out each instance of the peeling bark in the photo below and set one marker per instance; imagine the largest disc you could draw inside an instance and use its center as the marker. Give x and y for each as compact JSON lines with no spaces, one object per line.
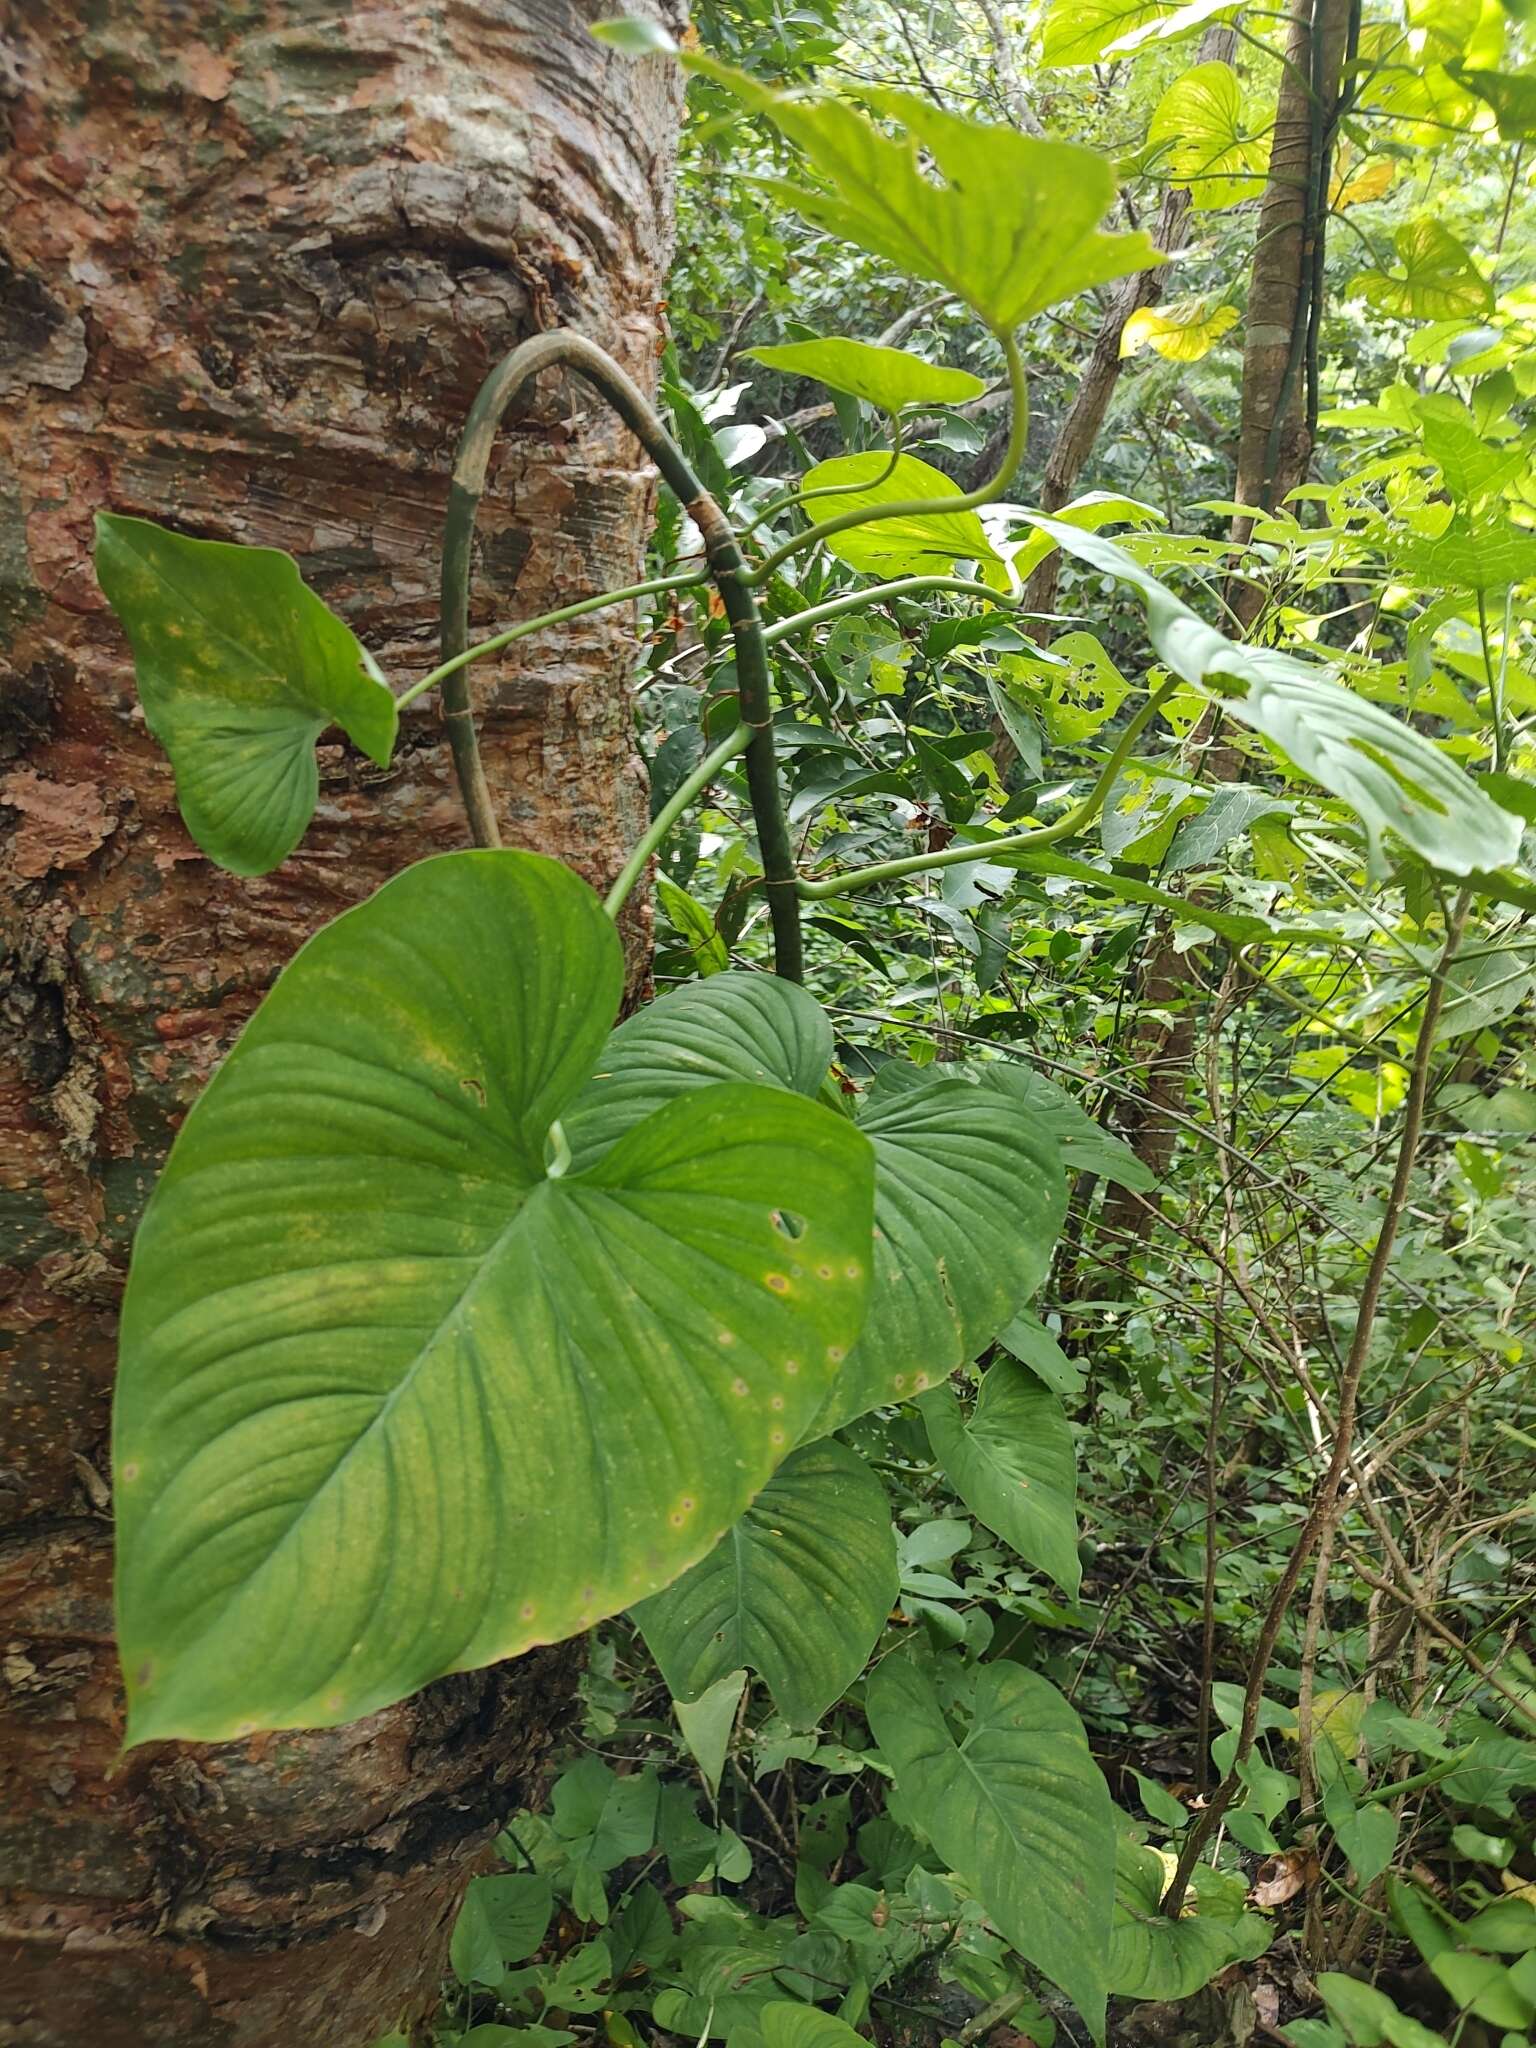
{"x":256,"y":261}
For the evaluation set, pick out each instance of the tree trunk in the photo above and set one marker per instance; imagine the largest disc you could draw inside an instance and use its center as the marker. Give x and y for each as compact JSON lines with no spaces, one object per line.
{"x":258,"y":260}
{"x":1275,"y":435}
{"x":1274,"y":448}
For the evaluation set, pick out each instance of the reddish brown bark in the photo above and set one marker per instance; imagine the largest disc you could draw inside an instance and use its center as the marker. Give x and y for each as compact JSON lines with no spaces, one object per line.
{"x":1275,"y":435}
{"x":257,"y":262}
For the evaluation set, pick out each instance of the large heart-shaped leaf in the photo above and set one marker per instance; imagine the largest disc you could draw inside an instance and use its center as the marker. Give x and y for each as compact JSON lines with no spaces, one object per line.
{"x":969,"y":1198}
{"x":887,"y":377}
{"x":1018,"y":1809}
{"x":240,"y":668}
{"x":1151,"y":1956}
{"x":797,"y":1591}
{"x":1439,"y":280}
{"x":1393,"y":777}
{"x":730,"y":1027}
{"x":1012,"y":1462}
{"x":1206,"y":142}
{"x":381,"y":1369}
{"x":1085,"y":1145}
{"x":1007,"y":223}
{"x":917,"y":544}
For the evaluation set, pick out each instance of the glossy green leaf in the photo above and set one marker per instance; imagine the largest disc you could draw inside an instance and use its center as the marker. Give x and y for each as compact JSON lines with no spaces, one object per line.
{"x":1205,"y":143}
{"x":969,"y":1197}
{"x":1392,"y":776}
{"x":1012,"y":1462}
{"x":789,"y":2024}
{"x":732,"y":1027}
{"x":797,"y":1591}
{"x":1028,"y":1340}
{"x":380,"y":1366}
{"x":967,"y":1202}
{"x":917,"y":544}
{"x":1007,"y":223}
{"x":707,"y":1722}
{"x":240,"y":669}
{"x":1369,"y":2017}
{"x":1018,"y":1809}
{"x":1511,"y":94}
{"x":1438,"y":280}
{"x":1153,"y":1957}
{"x":1085,"y":1145}
{"x":502,"y":1921}
{"x":887,"y":377}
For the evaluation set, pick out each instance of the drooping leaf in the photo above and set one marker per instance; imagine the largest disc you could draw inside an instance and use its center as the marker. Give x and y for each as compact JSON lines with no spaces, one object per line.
{"x":1232,"y":810}
{"x":1083,"y":31}
{"x":1485,"y":987}
{"x":707,"y":1722}
{"x":1468,"y":557}
{"x":887,"y":377}
{"x":1007,"y":223}
{"x":240,"y":669}
{"x":921,"y":544}
{"x":1439,"y":280}
{"x":1182,"y":331}
{"x":1018,"y":1809}
{"x":969,"y":1198}
{"x":377,"y":1362}
{"x":797,"y":1591}
{"x":789,"y":2024}
{"x":1012,"y":1462}
{"x":1204,"y":140}
{"x":1153,"y":1957}
{"x":1390,"y":774}
{"x":1028,"y":1340}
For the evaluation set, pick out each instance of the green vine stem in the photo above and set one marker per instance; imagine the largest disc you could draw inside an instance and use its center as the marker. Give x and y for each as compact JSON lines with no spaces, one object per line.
{"x":788,"y":499}
{"x":925,"y":508}
{"x":684,"y":580}
{"x":670,"y":812}
{"x":565,"y":350}
{"x":1069,"y":823}
{"x":901,"y":586}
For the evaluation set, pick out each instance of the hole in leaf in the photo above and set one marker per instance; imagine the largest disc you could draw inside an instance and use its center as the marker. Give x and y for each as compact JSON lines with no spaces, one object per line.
{"x":788,"y":1224}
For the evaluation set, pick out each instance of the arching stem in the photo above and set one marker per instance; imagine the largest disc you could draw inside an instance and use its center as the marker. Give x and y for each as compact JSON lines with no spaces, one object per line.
{"x":1068,"y":824}
{"x":563,"y":349}
{"x":669,"y":814}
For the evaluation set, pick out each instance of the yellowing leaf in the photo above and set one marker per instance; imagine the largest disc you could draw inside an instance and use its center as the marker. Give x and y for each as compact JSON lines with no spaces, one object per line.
{"x":1182,"y":331}
{"x":1207,"y":146}
{"x":921,"y":544}
{"x":1439,"y":279}
{"x":1350,"y":187}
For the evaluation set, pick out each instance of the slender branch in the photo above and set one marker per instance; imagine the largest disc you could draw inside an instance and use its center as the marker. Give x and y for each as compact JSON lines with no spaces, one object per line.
{"x":877,"y":593}
{"x":1325,"y":1499}
{"x":669,"y":814}
{"x":684,"y":580}
{"x":925,"y":508}
{"x":565,"y":350}
{"x":1065,"y":827}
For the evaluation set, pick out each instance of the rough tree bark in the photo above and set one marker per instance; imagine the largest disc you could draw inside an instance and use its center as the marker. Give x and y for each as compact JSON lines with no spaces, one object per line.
{"x":1080,"y":429}
{"x":1274,"y":448}
{"x":257,"y":261}
{"x":1276,"y":428}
